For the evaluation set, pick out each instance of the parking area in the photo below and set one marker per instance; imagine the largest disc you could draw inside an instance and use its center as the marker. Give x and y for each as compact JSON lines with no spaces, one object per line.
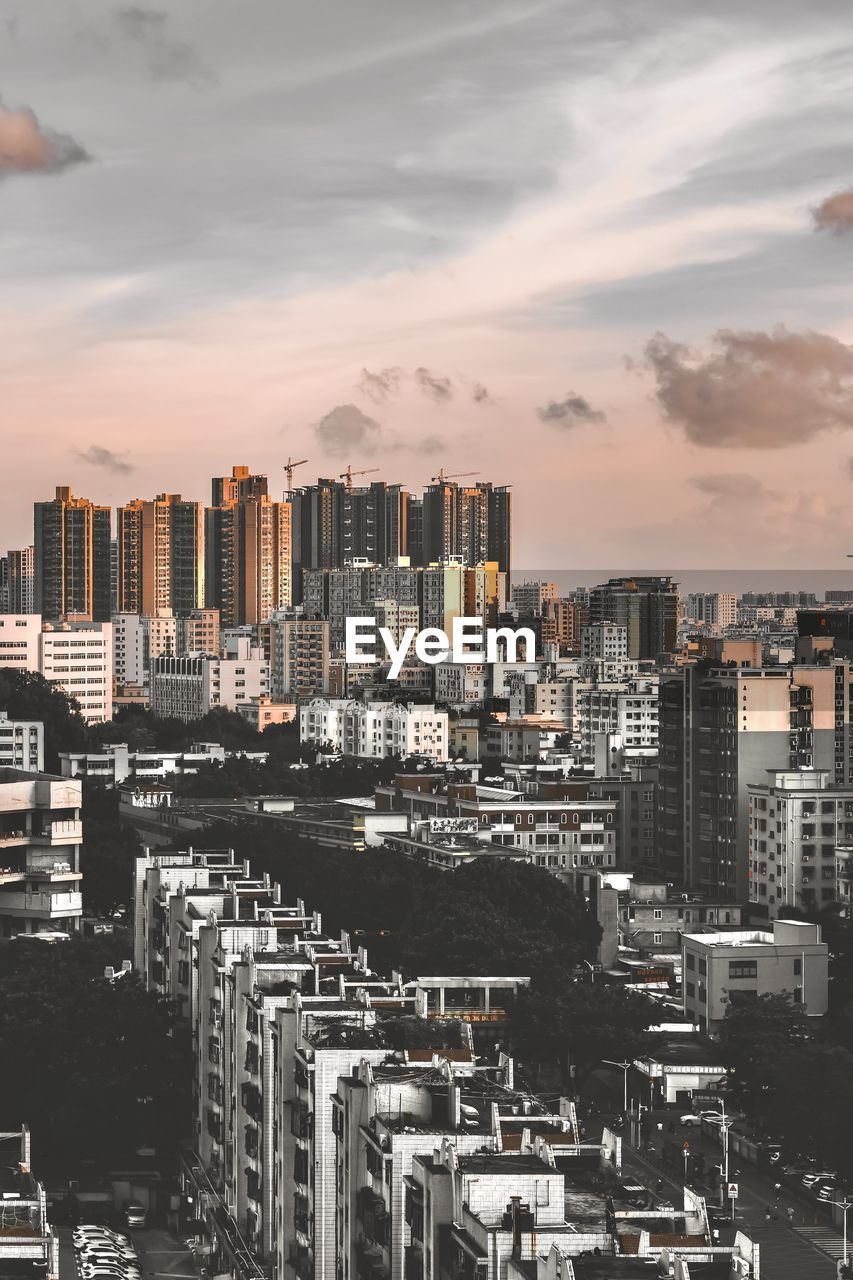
{"x":161,"y":1254}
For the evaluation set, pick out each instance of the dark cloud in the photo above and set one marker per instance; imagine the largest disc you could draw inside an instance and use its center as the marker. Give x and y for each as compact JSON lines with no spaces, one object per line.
{"x":435,"y":386}
{"x":26,"y":146}
{"x":835,"y":213}
{"x":97,"y":456}
{"x":480,"y":394}
{"x":345,"y":429}
{"x":380,"y":386}
{"x":754,"y":390}
{"x":166,"y":57}
{"x":730,"y":488}
{"x":572,"y":411}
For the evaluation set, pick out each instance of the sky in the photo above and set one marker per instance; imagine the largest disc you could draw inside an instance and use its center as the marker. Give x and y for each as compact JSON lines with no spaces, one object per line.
{"x":602,"y":253}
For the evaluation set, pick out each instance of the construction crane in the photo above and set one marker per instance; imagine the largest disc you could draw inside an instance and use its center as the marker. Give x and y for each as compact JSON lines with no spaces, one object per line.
{"x":456,"y":475}
{"x":289,"y":468}
{"x":349,"y":473}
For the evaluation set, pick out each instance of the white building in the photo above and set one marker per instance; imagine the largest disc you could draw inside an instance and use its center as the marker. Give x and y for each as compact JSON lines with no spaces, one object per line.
{"x":40,"y":837}
{"x":21,"y":744}
{"x":128,"y":650}
{"x":716,"y":609}
{"x":187,"y":687}
{"x":796,"y":820}
{"x":461,"y":684}
{"x":721,"y":969}
{"x":374,"y":730}
{"x":116,"y":763}
{"x":606,"y":641}
{"x":78,"y":658}
{"x":19,"y":641}
{"x":629,"y":708}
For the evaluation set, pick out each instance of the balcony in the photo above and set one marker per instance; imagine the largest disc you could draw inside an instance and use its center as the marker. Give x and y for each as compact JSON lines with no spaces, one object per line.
{"x":66,"y":832}
{"x":50,"y":906}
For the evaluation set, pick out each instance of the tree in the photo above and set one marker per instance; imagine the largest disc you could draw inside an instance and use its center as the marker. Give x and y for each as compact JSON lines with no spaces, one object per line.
{"x":498,"y":917}
{"x":26,"y":695}
{"x":578,"y":1024}
{"x":755,"y":1034}
{"x":97,"y":1068}
{"x":108,"y":853}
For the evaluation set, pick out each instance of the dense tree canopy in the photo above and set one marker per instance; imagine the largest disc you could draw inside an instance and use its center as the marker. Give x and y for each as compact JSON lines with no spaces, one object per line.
{"x":26,"y":695}
{"x":97,"y":1068}
{"x":579,"y":1024}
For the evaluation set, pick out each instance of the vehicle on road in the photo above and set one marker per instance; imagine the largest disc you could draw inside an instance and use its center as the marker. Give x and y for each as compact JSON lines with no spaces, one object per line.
{"x":691,"y":1120}
{"x":135,"y":1214}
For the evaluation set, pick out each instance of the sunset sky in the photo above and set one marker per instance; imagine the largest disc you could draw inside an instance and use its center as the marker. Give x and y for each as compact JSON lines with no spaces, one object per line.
{"x":601,"y":252}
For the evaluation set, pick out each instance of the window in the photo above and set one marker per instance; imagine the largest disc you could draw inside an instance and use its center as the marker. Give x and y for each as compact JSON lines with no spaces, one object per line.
{"x":657,"y":939}
{"x":743,"y":968}
{"x":658,"y":913}
{"x":690,"y":961}
{"x":798,"y":967}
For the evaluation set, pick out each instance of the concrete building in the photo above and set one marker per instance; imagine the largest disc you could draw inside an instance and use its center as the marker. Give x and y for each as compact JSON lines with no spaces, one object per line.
{"x":247,"y":550}
{"x":726,"y":968}
{"x":160,"y":555}
{"x":29,"y":1246}
{"x":40,"y":837}
{"x":78,"y":659}
{"x":646,"y":607}
{"x":198,"y":632}
{"x":604,"y":640}
{"x":355,"y":590}
{"x":17,"y":581}
{"x":21,"y":744}
{"x":461,"y":684}
{"x":716,"y":609}
{"x":722,"y":729}
{"x":188,"y":687}
{"x":19,"y":641}
{"x":299,"y":657}
{"x":796,"y":821}
{"x":72,"y":559}
{"x":117,"y":763}
{"x":374,"y":730}
{"x":628,"y":708}
{"x":260,"y":713}
{"x":651,"y":920}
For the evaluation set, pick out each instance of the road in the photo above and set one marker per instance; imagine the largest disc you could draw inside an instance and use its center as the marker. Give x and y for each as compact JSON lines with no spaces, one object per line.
{"x":786,"y":1254}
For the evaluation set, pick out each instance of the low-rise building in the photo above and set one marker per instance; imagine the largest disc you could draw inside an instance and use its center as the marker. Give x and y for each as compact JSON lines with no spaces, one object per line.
{"x":117,"y":763}
{"x":651,"y":921}
{"x":29,"y":1247}
{"x":187,"y":687}
{"x":719,"y":969}
{"x":260,"y":713}
{"x":374,"y":730}
{"x":21,"y":744}
{"x":40,"y":837}
{"x":78,"y":658}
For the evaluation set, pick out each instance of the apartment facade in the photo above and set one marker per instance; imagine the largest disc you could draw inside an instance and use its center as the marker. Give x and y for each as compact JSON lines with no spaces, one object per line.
{"x":21,"y":744}
{"x":79,"y":660}
{"x":374,"y":730}
{"x":41,"y":833}
{"x":733,"y":968}
{"x":797,"y":819}
{"x":72,"y":559}
{"x":160,"y":555}
{"x":187,"y":687}
{"x":299,"y":657}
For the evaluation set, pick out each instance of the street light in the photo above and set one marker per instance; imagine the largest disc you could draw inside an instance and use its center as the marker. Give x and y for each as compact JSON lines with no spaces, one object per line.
{"x":624,"y":1067}
{"x":844,"y":1205}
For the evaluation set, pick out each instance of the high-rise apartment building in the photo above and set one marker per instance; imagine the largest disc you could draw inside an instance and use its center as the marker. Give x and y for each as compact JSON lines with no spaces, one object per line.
{"x":722,"y":729}
{"x":72,"y":559}
{"x":299,"y":657}
{"x":247,"y":550}
{"x":160,"y":555}
{"x":17,"y":581}
{"x":716,"y":609}
{"x":647,"y":607}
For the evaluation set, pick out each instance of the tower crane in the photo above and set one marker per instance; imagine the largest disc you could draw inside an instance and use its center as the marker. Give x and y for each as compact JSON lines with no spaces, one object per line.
{"x":456,"y":475}
{"x":349,"y":473}
{"x":289,"y":468}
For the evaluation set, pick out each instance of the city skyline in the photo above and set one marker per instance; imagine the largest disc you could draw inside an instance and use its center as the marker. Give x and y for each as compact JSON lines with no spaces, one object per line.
{"x":426,"y":235}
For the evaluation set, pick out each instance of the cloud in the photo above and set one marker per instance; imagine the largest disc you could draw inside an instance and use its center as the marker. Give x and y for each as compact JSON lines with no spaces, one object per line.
{"x":97,"y":456}
{"x":480,"y":394}
{"x":345,"y":429}
{"x":572,"y":411}
{"x":727,"y":489}
{"x":26,"y":146}
{"x":380,"y":386}
{"x":435,"y":386}
{"x":754,"y":390}
{"x":166,"y":57}
{"x":835,"y":213}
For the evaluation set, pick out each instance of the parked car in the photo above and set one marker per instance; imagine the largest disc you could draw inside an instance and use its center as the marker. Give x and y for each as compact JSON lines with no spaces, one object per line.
{"x":81,"y":1234}
{"x":114,"y":1265}
{"x":690,"y":1120}
{"x":135,"y":1214}
{"x":812,"y":1181}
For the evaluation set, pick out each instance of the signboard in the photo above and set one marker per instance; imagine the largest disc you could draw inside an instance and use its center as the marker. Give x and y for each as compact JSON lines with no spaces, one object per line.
{"x":731,"y":1190}
{"x":453,"y":826}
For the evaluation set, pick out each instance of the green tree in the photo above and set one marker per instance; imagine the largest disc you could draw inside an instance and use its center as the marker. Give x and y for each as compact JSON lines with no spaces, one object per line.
{"x":26,"y":695}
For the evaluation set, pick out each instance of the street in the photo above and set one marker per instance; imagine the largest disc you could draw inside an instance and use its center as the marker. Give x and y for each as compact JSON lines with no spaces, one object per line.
{"x":786,"y":1253}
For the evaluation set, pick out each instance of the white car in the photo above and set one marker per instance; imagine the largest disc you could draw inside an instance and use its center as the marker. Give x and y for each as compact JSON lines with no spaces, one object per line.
{"x":100,"y":1237}
{"x":690,"y":1120}
{"x":115,"y":1265}
{"x":94,"y":1257}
